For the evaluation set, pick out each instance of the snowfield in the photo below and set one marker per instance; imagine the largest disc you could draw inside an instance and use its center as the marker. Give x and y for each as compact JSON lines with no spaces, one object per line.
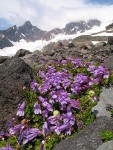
{"x":31,"y":46}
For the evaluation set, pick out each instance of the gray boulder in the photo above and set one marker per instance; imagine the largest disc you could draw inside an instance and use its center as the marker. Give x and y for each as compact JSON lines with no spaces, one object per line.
{"x":58,"y":45}
{"x":53,"y":46}
{"x":70,"y":45}
{"x":33,"y":58}
{"x":100,"y":44}
{"x":14,"y":74}
{"x":89,"y":138}
{"x":22,"y":52}
{"x":106,"y":146}
{"x":105,"y":99}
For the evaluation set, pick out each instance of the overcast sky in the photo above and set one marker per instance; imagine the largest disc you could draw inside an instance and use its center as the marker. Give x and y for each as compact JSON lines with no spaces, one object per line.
{"x":49,"y":14}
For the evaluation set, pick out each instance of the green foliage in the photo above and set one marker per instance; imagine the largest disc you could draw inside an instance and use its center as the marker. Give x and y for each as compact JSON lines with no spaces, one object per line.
{"x":111,"y":111}
{"x":30,"y":147}
{"x":37,"y":144}
{"x":51,"y":142}
{"x":106,"y":135}
{"x":12,"y":140}
{"x":2,"y":143}
{"x":111,"y":78}
{"x":88,"y":117}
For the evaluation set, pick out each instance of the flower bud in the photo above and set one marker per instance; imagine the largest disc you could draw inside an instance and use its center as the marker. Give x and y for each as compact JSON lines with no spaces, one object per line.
{"x":56,"y":113}
{"x":91,"y":93}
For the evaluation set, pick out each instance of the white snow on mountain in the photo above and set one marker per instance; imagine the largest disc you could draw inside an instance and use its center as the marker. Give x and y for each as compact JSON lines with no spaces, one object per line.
{"x":38,"y":45}
{"x":31,"y":46}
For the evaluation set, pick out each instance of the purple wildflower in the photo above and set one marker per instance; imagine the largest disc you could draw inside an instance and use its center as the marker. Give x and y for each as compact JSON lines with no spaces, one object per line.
{"x":42,"y":145}
{"x":91,"y":69}
{"x":61,"y":128}
{"x":64,"y":62}
{"x":42,"y":99}
{"x":81,"y":79}
{"x":75,"y":104}
{"x":10,"y":123}
{"x":76,"y":88}
{"x":16,"y":128}
{"x":77,"y":62}
{"x":31,"y":134}
{"x":45,"y":129}
{"x":80,"y":124}
{"x":66,"y":83}
{"x":47,"y":106}
{"x":44,"y":87}
{"x":94,"y":81}
{"x":106,"y":75}
{"x":41,"y":74}
{"x":45,"y":113}
{"x":33,"y":85}
{"x":68,"y":131}
{"x":37,"y":109}
{"x":95,"y":99}
{"x":101,"y":71}
{"x":20,"y":111}
{"x":68,"y":118}
{"x":2,"y":134}
{"x":53,"y":95}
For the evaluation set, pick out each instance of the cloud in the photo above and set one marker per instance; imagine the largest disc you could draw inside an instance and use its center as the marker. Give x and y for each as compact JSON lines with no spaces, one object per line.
{"x":48,"y":14}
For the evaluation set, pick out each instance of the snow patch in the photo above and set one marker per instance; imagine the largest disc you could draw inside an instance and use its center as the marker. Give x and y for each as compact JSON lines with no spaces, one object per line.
{"x":31,"y":46}
{"x":23,"y":34}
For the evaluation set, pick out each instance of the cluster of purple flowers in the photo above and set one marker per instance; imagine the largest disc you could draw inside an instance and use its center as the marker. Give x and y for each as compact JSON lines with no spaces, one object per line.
{"x":54,"y":103}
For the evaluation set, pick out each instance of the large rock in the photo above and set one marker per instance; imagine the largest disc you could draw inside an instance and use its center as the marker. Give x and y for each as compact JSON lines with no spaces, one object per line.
{"x":33,"y":58}
{"x":89,"y":138}
{"x":70,"y":45}
{"x":106,"y":146}
{"x":58,"y":45}
{"x":14,"y":73}
{"x":105,"y":99}
{"x":22,"y":52}
{"x":100,"y":44}
{"x":53,"y":46}
{"x":83,"y":45}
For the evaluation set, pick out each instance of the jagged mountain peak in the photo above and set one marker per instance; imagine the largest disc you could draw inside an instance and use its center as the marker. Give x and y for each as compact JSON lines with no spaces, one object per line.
{"x":28,"y":24}
{"x":31,"y":33}
{"x":110,"y":26}
{"x":12,"y":28}
{"x":93,"y":22}
{"x":81,"y":26}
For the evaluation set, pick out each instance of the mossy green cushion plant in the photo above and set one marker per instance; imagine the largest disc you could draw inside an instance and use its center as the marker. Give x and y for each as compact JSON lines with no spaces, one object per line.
{"x":106,"y":135}
{"x":57,"y":105}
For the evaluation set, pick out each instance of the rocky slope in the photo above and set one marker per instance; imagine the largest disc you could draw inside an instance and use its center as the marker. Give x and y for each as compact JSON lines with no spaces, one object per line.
{"x":16,"y":72}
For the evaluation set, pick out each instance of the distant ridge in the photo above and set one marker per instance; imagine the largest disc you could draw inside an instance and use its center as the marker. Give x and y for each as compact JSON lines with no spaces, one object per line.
{"x":31,"y":33}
